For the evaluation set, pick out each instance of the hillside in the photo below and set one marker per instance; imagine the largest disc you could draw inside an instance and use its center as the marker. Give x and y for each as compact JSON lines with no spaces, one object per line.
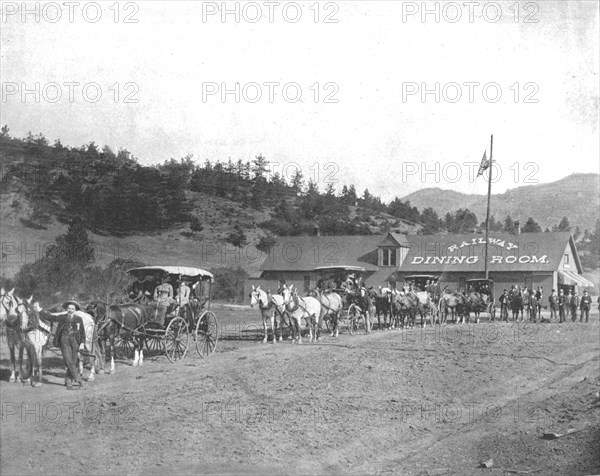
{"x":179,"y":212}
{"x":575,"y":196}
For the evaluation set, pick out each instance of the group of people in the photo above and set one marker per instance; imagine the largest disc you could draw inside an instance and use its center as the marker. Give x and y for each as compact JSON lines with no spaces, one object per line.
{"x":158,"y":292}
{"x":70,"y":336}
{"x":350,"y":284}
{"x":561,"y":304}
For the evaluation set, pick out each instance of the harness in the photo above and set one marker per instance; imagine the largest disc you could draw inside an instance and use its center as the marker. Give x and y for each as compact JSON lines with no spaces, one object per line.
{"x":264,"y":307}
{"x":11,"y":324}
{"x":297,"y":305}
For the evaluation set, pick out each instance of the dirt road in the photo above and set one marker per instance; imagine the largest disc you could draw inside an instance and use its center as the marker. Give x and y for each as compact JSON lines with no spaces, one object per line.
{"x":393,"y":402}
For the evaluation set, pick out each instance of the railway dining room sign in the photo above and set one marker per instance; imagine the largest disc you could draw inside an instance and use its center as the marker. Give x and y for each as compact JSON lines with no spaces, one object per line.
{"x":506,"y":252}
{"x":472,"y":256}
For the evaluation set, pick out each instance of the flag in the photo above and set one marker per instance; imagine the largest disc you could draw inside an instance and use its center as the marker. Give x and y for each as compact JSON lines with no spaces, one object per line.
{"x":485,"y":163}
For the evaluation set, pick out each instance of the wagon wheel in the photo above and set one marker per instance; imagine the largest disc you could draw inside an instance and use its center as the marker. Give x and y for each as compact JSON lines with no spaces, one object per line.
{"x":176,"y":339}
{"x":354,"y":313}
{"x":207,"y":334}
{"x":123,"y":348}
{"x":154,"y":341}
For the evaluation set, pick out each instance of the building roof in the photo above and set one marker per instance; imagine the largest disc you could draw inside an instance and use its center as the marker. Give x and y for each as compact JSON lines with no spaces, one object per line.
{"x":305,"y":253}
{"x":380,"y":277}
{"x":506,"y":252}
{"x":394,"y":239}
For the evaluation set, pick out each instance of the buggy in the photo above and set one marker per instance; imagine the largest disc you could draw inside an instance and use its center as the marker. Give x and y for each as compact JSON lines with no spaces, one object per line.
{"x":184,"y":320}
{"x":485,"y":288}
{"x":354,"y":313}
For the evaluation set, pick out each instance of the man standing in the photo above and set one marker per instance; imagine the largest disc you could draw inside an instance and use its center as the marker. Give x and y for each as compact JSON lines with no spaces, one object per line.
{"x":586,"y":304}
{"x":70,"y":334}
{"x":163,"y":295}
{"x":562,"y":305}
{"x":539,"y":295}
{"x":574,"y":302}
{"x":184,"y":294}
{"x":553,"y":300}
{"x":504,"y":299}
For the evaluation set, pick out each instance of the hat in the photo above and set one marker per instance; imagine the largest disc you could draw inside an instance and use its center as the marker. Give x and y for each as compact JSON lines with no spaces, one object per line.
{"x":75,"y":303}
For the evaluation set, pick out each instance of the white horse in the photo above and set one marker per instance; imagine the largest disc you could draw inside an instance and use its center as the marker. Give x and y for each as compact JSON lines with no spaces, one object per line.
{"x":38,"y":333}
{"x":268,"y":304}
{"x":297,"y":308}
{"x":24,"y":333}
{"x":90,"y":344}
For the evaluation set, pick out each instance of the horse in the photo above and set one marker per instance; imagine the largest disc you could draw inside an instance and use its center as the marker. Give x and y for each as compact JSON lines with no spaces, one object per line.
{"x":119,"y":320}
{"x":477,"y":303}
{"x":332,"y":306}
{"x":516,"y":304}
{"x":23,"y":333}
{"x":268,"y":304}
{"x":37,"y":332}
{"x":425,"y":305}
{"x":455,"y":302}
{"x":91,"y":344}
{"x":383,"y":304}
{"x":404,"y":309}
{"x":297,"y":308}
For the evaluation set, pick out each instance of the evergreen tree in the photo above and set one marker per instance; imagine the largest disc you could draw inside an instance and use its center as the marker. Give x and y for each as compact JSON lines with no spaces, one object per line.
{"x":431,"y":221}
{"x":260,"y":167}
{"x":509,"y":225}
{"x":564,"y":225}
{"x":531,"y":226}
{"x":297,"y":182}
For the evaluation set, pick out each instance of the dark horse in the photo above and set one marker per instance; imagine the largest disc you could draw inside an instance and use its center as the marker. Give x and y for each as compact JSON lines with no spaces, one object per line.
{"x":119,"y":320}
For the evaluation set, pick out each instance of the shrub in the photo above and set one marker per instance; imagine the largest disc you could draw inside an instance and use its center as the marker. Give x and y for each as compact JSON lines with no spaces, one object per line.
{"x":265,"y":243}
{"x":195,"y":224}
{"x":229,"y":284}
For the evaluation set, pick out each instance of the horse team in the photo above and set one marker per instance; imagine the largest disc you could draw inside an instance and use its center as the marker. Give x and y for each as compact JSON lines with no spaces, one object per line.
{"x":28,"y":331}
{"x":393,"y":308}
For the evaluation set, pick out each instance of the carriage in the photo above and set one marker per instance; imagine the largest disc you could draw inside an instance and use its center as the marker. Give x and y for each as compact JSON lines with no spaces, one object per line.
{"x":353,"y":316}
{"x":484,"y":287}
{"x":192,"y":320}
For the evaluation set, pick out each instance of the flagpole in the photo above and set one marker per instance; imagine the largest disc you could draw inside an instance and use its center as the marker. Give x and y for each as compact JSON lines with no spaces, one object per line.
{"x":487,"y":216}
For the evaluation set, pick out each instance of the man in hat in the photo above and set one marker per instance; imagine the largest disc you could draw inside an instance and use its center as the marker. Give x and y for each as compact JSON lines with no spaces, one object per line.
{"x":585,"y":306}
{"x":183,"y":296}
{"x":553,"y":301}
{"x":574,"y":303}
{"x":69,"y":336}
{"x":562,"y":305}
{"x":504,"y":300}
{"x":163,"y":295}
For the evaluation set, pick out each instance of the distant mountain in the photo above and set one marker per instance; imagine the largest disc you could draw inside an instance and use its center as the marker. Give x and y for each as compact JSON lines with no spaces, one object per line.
{"x":575,"y":196}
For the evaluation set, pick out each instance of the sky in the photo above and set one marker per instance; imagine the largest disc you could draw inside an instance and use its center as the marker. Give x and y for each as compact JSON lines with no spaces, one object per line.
{"x":390,"y":96}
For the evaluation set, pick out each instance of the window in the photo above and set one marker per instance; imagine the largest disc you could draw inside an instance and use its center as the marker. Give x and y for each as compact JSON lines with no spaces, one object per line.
{"x":566,"y":260}
{"x":462,"y":283}
{"x":389,"y":257}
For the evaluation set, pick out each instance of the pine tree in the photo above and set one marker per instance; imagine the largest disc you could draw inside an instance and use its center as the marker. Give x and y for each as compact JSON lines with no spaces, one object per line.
{"x":564,"y":225}
{"x":531,"y":226}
